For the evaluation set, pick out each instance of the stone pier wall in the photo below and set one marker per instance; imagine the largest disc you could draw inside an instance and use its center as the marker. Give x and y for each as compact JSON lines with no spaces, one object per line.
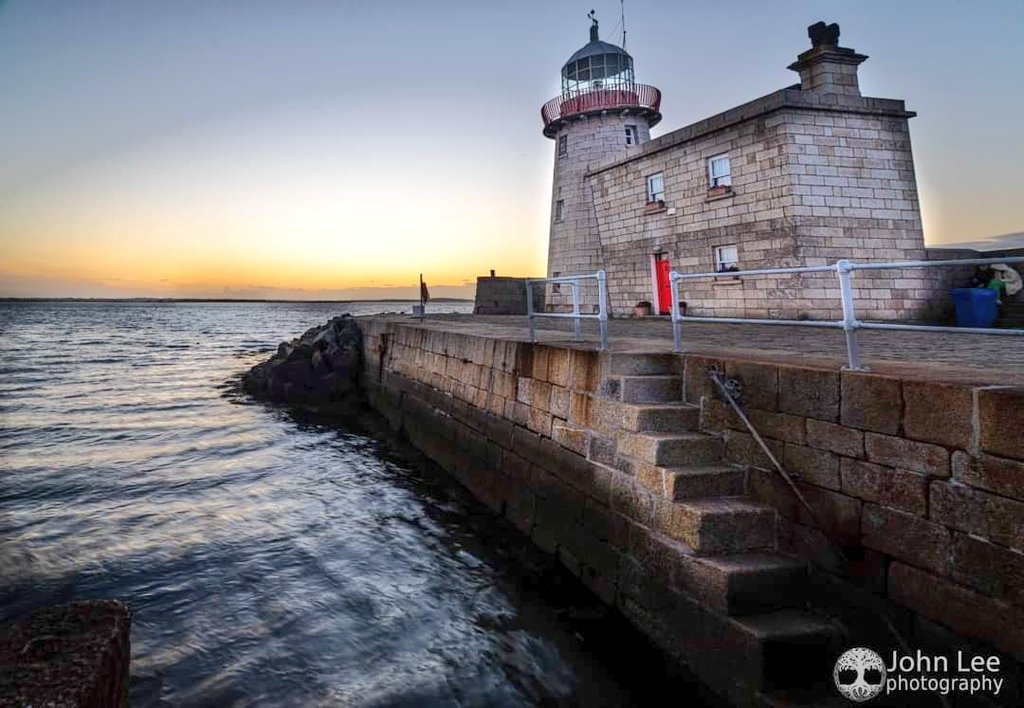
{"x":920,"y":482}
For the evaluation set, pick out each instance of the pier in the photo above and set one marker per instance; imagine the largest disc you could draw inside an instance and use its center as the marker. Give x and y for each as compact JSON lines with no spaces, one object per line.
{"x":903,"y":518}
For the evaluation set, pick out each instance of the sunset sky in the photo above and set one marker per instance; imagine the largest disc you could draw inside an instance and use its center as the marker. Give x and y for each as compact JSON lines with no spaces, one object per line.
{"x":337,"y":149}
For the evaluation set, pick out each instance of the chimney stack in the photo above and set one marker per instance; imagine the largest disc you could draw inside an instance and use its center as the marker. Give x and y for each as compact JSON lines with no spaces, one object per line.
{"x":826,"y":67}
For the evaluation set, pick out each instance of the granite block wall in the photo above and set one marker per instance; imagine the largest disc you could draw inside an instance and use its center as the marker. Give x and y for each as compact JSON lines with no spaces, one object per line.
{"x":921,"y":480}
{"x":815,"y":178}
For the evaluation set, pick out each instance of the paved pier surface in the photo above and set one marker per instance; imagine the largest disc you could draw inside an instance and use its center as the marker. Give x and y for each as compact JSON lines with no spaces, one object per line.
{"x":974,"y":358}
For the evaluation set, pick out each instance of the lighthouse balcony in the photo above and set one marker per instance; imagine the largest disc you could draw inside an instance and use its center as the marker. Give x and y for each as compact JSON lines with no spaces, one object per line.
{"x":638,"y":98}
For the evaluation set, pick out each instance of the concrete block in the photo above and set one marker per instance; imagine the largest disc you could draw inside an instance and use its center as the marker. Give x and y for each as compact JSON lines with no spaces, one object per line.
{"x":907,"y":537}
{"x":1005,"y":521}
{"x":742,"y":449}
{"x":835,"y":438}
{"x":861,"y":479}
{"x":994,"y":474}
{"x":637,"y":364}
{"x":649,"y":389}
{"x":938,"y":413}
{"x":967,"y":612}
{"x":959,"y":507}
{"x":904,"y":490}
{"x":717,"y":525}
{"x":697,"y":383}
{"x":760,"y":383}
{"x":988,"y":568}
{"x":743,"y":583}
{"x":779,"y":426}
{"x":75,"y":654}
{"x":1001,"y":419}
{"x":871,"y":402}
{"x":809,"y":393}
{"x":813,"y":466}
{"x":538,"y":359}
{"x":572,"y":438}
{"x":925,"y":458}
{"x":660,"y":417}
{"x":579,"y":408}
{"x":630,"y":499}
{"x":584,"y":371}
{"x":605,"y":524}
{"x":559,"y":367}
{"x":668,"y":449}
{"x":559,"y":402}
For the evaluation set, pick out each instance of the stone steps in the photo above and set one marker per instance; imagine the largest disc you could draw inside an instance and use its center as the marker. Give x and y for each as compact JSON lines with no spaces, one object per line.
{"x":719,"y":525}
{"x":640,"y":364}
{"x":662,"y":388}
{"x":745,"y":583}
{"x":735,"y":606}
{"x":746,"y":658}
{"x":659,"y":417}
{"x":670,"y":449}
{"x":742,"y":583}
{"x":694,"y":482}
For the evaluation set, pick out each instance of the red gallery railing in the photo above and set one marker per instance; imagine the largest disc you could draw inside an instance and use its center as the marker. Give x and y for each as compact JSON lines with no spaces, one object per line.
{"x":630,"y":96}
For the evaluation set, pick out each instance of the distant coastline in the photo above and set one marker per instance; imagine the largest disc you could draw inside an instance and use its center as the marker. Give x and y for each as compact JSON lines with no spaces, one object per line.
{"x":219,"y":299}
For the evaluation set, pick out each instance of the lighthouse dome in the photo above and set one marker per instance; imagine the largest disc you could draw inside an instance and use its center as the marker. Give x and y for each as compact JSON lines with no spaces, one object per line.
{"x":597,"y":65}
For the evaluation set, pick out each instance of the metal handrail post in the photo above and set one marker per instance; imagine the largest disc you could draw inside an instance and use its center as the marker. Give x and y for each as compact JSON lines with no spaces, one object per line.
{"x":577,"y":323}
{"x":850,"y":324}
{"x":677,"y":325}
{"x":529,"y":310}
{"x":602,"y":308}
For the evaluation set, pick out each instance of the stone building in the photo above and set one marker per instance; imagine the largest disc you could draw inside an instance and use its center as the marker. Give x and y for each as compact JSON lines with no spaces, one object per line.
{"x":806,"y":175}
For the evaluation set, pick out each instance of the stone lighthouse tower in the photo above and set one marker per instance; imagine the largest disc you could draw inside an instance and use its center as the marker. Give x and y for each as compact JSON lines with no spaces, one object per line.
{"x":601,"y":113}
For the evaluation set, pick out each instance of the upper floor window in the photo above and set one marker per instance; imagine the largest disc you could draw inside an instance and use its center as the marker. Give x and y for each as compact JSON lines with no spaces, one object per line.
{"x":718,"y":171}
{"x":563,"y":145}
{"x":656,"y":188}
{"x":560,"y":210}
{"x":727,"y":259}
{"x":631,"y":135}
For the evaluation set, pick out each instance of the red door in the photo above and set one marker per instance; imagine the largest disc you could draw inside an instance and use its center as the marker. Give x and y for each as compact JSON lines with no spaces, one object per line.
{"x":662,"y":268}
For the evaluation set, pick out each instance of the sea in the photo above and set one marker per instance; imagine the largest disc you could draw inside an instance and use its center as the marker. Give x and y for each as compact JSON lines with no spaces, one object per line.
{"x":272,"y":558}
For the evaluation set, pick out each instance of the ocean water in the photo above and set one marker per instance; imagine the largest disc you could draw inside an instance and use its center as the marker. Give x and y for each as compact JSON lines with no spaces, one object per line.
{"x":272,"y":559}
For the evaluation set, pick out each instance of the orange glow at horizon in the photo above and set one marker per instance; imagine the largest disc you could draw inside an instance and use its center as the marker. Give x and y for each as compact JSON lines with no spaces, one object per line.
{"x":200,"y":212}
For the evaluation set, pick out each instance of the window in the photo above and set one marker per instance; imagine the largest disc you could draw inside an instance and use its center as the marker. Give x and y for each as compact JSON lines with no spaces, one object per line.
{"x":631,"y":135}
{"x":727,"y":259}
{"x":560,"y":210}
{"x":718,"y":171}
{"x":563,"y":145}
{"x":656,"y":188}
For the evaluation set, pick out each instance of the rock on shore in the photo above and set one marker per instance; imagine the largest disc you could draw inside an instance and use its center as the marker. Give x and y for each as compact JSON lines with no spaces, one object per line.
{"x":320,"y":367}
{"x":73,"y":655}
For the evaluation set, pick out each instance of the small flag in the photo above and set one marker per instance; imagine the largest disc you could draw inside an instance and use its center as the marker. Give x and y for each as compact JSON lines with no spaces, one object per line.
{"x":424,"y":294}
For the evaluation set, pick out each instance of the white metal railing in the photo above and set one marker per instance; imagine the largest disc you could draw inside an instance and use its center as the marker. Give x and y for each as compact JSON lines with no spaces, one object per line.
{"x":574,"y":281}
{"x":849,"y":324}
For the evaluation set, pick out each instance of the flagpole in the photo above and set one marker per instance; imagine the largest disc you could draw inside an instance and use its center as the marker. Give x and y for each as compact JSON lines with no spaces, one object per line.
{"x":422,"y":310}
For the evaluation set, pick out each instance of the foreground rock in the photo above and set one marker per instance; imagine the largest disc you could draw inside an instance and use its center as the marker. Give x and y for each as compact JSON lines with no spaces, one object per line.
{"x":70,"y":655}
{"x":320,"y":368}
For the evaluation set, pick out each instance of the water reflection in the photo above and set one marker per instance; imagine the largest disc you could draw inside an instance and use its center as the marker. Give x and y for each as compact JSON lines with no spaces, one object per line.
{"x":272,"y":559}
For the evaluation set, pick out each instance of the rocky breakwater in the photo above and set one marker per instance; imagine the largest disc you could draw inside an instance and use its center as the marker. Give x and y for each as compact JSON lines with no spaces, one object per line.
{"x":319,"y":369}
{"x":73,"y":655}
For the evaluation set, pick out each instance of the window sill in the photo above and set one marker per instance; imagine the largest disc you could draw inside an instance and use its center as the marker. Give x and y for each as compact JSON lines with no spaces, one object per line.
{"x":726,"y":280}
{"x":655,"y":207}
{"x":716,"y":193}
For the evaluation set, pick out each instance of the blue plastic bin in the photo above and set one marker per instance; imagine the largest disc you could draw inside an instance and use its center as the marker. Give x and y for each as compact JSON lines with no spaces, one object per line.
{"x":975,"y":307}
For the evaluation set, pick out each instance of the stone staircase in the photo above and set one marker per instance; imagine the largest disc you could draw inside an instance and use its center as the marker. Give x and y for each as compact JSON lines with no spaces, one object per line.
{"x":738,"y":594}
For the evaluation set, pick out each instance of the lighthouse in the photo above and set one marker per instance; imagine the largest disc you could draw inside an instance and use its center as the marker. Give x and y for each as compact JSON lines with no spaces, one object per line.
{"x":601,"y":113}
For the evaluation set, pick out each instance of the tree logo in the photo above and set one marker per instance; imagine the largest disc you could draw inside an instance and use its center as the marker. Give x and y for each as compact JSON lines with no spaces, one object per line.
{"x":859,"y":674}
